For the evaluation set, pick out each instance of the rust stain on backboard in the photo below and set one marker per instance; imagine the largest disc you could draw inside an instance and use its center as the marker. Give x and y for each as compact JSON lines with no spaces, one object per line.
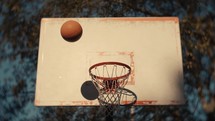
{"x":37,"y":102}
{"x":101,"y":53}
{"x":82,"y":102}
{"x":132,"y":75}
{"x":132,"y":65}
{"x":146,"y":102}
{"x":104,"y":53}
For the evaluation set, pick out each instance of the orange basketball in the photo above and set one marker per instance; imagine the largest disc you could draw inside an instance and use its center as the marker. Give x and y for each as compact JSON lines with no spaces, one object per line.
{"x":71,"y":31}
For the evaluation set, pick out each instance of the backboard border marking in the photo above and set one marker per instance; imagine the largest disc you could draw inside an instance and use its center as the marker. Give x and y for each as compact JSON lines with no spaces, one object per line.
{"x":136,"y":19}
{"x":175,"y":19}
{"x":96,"y":103}
{"x":131,"y":64}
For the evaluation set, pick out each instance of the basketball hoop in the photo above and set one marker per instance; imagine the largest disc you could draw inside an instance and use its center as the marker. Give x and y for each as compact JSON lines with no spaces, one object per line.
{"x":110,"y":79}
{"x":109,"y":76}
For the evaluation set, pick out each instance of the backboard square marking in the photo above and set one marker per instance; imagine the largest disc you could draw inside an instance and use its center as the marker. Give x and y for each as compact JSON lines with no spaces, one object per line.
{"x":126,"y":57}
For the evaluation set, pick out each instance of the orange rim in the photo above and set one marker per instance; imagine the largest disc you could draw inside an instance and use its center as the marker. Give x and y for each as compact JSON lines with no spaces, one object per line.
{"x":109,"y":63}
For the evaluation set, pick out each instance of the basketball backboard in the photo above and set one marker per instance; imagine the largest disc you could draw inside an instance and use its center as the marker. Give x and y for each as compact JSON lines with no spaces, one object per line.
{"x":150,"y":46}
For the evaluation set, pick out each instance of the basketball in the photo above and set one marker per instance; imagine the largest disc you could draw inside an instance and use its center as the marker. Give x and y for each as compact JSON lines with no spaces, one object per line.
{"x":71,"y":31}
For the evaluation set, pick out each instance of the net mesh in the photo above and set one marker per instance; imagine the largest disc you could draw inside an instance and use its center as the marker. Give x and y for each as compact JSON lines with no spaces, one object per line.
{"x":109,"y":79}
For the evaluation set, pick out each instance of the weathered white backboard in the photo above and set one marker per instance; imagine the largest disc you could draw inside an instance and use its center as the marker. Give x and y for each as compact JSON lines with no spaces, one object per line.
{"x":150,"y":46}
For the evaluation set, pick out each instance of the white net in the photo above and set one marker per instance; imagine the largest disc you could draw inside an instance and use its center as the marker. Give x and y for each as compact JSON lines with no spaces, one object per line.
{"x":110,"y":76}
{"x":110,"y":79}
